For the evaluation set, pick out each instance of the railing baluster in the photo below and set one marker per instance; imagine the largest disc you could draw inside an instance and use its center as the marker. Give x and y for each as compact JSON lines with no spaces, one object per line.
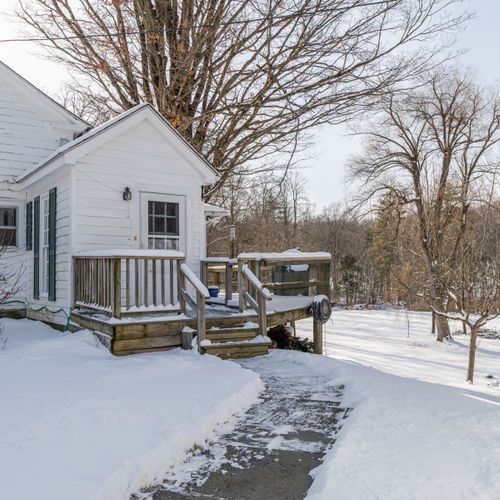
{"x":85,"y":275}
{"x":110,"y":282}
{"x":162,"y":274}
{"x":146,"y":282}
{"x":104,"y":283}
{"x":88,"y":276}
{"x":153,"y":271}
{"x":127,"y":284}
{"x":171,"y":278}
{"x":137,"y":263}
{"x":83,"y":297}
{"x":117,"y":288}
{"x":97,"y":293}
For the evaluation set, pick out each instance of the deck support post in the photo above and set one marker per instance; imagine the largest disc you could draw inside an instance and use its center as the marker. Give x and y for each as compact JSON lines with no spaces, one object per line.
{"x":181,"y":284}
{"x":228,"y":284}
{"x":318,"y":337}
{"x":262,"y":313}
{"x":201,"y":325}
{"x":204,"y":272}
{"x":241,"y":287}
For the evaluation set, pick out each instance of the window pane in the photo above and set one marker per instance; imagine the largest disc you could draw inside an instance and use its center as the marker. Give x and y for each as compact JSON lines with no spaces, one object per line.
{"x":8,"y":237}
{"x":8,"y":217}
{"x":172,"y":226}
{"x":159,"y":207}
{"x":150,"y":243}
{"x":159,"y":244}
{"x":150,"y":224}
{"x":173,"y":209}
{"x":150,"y":207}
{"x":159,"y":225}
{"x":172,"y":244}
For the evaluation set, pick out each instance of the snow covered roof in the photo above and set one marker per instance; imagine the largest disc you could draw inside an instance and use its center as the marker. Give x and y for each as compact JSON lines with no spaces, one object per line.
{"x":215,"y":211}
{"x":105,"y":127}
{"x":292,"y":256}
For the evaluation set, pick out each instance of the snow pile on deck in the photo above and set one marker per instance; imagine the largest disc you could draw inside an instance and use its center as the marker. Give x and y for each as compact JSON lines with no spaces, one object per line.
{"x":76,"y":422}
{"x":417,"y":429}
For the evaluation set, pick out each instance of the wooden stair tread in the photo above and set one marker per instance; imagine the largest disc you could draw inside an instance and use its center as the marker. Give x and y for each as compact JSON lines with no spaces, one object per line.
{"x":233,"y":334}
{"x":237,"y":344}
{"x":232,"y":350}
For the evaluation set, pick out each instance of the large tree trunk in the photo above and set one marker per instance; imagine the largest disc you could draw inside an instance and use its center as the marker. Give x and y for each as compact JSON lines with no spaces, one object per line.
{"x":442,"y":327}
{"x":439,"y":304}
{"x":472,"y":355}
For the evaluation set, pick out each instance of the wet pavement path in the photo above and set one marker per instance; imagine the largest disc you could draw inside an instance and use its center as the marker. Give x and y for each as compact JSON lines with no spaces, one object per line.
{"x":272,"y":449}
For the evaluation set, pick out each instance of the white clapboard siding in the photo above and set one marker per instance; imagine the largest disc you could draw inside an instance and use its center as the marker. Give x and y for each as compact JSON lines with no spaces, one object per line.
{"x":143,"y":160}
{"x":31,"y":126}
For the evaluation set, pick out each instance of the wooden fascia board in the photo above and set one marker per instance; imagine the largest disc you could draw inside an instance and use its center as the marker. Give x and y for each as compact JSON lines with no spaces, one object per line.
{"x":53,"y":166}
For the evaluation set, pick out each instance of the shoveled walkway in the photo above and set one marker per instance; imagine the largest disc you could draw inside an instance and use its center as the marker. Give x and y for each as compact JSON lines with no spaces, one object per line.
{"x":273,"y":447}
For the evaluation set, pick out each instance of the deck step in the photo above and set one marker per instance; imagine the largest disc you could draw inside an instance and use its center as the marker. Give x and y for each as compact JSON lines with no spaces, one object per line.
{"x":232,"y":334}
{"x":234,"y":350}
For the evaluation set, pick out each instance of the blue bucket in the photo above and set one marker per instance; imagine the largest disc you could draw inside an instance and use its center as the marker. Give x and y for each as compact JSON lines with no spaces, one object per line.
{"x":213,"y":291}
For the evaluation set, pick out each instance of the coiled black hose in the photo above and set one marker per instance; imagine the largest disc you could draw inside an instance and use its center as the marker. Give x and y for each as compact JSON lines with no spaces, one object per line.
{"x":321,"y":309}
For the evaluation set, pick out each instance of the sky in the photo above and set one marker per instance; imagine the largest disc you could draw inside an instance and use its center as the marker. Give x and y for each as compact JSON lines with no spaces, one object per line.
{"x":325,"y":170}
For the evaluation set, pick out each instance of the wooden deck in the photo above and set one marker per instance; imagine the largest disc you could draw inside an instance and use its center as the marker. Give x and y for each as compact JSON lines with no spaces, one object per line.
{"x":121,"y":297}
{"x":151,"y":332}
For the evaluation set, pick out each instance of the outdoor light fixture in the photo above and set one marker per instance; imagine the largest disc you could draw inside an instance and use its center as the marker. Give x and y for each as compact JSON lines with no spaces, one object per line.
{"x":127,"y":194}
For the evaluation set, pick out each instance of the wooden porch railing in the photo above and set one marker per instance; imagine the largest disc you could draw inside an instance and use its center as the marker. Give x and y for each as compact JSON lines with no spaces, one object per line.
{"x":219,"y":271}
{"x":255,"y":295}
{"x":197,"y":304}
{"x":291,"y":273}
{"x":127,"y":282}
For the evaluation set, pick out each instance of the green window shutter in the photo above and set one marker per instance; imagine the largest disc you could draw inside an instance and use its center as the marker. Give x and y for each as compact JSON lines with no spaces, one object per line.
{"x":52,"y":243}
{"x":36,"y":248}
{"x":29,"y":225}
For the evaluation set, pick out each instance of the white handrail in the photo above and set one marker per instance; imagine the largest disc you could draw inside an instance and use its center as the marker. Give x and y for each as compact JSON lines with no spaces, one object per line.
{"x":261,"y":296}
{"x":198,"y":303}
{"x":256,"y":282}
{"x":194,"y":280}
{"x":131,"y":253}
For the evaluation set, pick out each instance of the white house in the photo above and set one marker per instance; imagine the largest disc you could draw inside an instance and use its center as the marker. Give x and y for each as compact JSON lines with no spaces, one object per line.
{"x":106,"y":227}
{"x":65,"y":187}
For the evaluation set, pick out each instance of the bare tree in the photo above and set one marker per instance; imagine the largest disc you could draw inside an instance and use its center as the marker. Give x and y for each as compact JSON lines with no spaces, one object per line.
{"x":242,"y":80}
{"x":434,"y":149}
{"x":10,"y":280}
{"x":473,"y":286}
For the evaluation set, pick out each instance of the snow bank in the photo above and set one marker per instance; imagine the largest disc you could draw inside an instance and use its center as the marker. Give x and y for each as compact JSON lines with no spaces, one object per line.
{"x":77,"y":422}
{"x":417,"y":431}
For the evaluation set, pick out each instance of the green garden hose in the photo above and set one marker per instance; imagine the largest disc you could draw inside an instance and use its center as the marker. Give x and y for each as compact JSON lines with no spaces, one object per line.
{"x":46,"y":309}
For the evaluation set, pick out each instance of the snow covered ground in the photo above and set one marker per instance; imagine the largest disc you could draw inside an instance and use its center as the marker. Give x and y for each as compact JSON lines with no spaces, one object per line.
{"x":417,"y":430}
{"x":77,"y":423}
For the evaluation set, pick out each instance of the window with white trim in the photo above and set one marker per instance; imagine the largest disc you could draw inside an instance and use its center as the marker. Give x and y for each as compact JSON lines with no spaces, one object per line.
{"x":163,"y":225}
{"x":8,"y":226}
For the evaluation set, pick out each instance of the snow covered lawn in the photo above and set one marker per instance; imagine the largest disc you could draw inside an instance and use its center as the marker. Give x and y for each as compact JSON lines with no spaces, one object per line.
{"x":78,"y":423}
{"x":417,"y":430}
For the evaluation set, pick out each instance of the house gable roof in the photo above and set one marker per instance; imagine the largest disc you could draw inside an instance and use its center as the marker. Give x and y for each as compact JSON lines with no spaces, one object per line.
{"x":43,"y":98}
{"x":91,"y":140}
